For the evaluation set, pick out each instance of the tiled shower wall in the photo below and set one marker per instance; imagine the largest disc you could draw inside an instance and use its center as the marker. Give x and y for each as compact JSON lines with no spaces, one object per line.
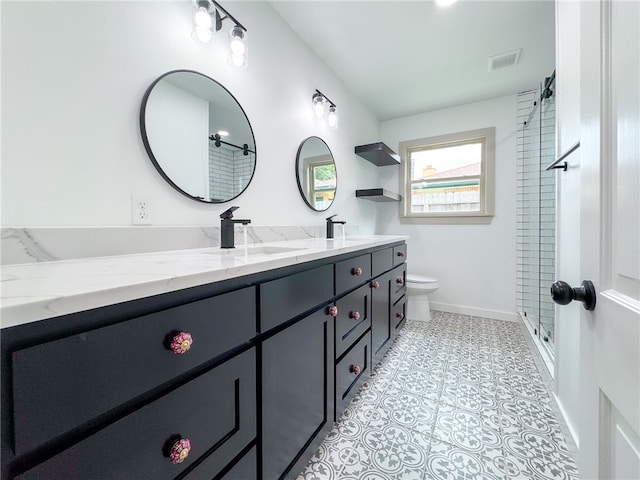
{"x":229,"y":171}
{"x":536,"y":211}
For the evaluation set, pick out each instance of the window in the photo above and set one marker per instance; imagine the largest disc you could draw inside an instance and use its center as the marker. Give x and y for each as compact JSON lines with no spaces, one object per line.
{"x":448,"y":179}
{"x":323,"y":182}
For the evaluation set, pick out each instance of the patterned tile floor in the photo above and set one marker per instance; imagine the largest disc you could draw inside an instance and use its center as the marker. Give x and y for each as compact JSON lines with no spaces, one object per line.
{"x":457,"y":398}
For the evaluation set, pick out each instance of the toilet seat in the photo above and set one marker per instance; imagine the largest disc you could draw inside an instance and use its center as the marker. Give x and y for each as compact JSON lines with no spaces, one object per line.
{"x":420,"y":279}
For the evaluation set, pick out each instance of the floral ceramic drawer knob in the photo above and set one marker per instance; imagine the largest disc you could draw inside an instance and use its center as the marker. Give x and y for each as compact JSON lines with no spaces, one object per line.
{"x":181,"y":343}
{"x":180,"y":451}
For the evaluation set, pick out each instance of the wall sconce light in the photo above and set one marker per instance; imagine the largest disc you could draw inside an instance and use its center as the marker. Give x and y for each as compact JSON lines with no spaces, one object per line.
{"x":320,"y":102}
{"x":207,"y":19}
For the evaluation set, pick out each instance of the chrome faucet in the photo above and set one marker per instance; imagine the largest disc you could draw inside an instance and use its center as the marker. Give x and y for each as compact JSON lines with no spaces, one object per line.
{"x":331,"y":223}
{"x":227,"y":236}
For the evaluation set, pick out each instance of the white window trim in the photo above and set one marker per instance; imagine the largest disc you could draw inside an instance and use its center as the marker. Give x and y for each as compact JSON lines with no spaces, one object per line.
{"x":487,"y":175}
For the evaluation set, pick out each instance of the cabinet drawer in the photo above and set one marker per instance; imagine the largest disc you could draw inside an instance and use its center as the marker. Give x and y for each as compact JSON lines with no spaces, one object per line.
{"x":245,"y":469}
{"x":351,"y":371}
{"x":62,"y":384}
{"x":287,"y":297}
{"x":381,"y":261}
{"x":352,"y":273}
{"x":215,"y":412}
{"x":398,"y":283}
{"x":398,"y":316}
{"x":399,"y":254}
{"x":353,"y":318}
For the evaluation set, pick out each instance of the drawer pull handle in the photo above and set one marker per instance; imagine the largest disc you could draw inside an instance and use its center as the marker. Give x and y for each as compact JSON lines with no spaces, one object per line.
{"x":354,"y":315}
{"x":399,"y":281}
{"x":355,"y":369}
{"x":400,"y":254}
{"x":356,"y":271}
{"x":180,"y":451}
{"x":375,"y":285}
{"x":333,"y":311}
{"x":181,"y":343}
{"x":400,"y":315}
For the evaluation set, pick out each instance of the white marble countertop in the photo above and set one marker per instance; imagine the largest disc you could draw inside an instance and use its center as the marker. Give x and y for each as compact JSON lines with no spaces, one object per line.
{"x":36,"y":291}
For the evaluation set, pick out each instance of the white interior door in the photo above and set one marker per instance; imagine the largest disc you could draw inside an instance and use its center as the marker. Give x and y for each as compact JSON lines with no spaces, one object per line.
{"x":610,"y":239}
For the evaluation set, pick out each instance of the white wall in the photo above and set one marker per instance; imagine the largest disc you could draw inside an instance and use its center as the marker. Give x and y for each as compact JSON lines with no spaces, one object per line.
{"x":74,"y":74}
{"x":475,"y":264}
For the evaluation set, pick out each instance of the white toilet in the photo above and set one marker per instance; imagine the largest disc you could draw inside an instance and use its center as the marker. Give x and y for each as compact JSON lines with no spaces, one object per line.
{"x":418,"y":289}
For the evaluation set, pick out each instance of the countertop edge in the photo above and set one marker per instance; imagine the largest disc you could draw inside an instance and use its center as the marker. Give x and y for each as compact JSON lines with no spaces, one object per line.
{"x":28,"y":307}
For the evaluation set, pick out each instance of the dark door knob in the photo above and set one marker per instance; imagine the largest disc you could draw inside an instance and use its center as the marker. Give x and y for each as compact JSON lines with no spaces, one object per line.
{"x":563,"y":294}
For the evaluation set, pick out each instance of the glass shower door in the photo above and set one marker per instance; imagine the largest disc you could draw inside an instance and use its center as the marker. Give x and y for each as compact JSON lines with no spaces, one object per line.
{"x":536,"y":207}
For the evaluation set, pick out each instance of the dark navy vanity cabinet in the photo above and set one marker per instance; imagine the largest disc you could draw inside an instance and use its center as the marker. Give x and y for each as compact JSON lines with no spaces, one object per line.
{"x":237,"y":380}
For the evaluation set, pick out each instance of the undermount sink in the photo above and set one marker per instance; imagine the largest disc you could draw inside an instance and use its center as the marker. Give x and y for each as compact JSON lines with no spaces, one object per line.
{"x":259,"y":250}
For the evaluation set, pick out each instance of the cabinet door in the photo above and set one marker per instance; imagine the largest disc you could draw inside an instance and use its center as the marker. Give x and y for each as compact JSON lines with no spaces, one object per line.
{"x":215,"y":412}
{"x":380,"y":325}
{"x":297,"y":392}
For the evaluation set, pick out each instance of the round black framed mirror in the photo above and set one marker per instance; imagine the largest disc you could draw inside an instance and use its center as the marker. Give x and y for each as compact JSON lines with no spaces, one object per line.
{"x":198,"y":136}
{"x":316,"y":174}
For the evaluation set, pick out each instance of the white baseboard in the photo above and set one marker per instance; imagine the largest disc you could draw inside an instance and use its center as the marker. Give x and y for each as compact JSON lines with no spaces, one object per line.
{"x":474,"y":312}
{"x":572,"y":430}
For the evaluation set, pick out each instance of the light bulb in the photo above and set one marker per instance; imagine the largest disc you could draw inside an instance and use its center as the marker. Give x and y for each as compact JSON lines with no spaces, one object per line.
{"x":236,"y":43}
{"x":236,"y":60}
{"x":332,"y":117}
{"x":202,"y":19}
{"x":318,"y":105}
{"x":203,"y":35}
{"x":237,"y":46}
{"x":202,"y":23}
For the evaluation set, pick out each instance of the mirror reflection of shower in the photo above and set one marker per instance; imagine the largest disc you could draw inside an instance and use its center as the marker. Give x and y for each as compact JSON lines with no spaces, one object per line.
{"x":536,"y":210}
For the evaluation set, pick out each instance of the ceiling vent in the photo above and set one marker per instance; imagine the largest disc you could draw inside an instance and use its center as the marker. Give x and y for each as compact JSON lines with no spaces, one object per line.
{"x":504,"y":60}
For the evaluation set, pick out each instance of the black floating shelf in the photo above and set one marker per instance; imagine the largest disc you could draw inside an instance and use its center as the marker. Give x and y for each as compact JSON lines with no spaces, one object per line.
{"x":378,"y":195}
{"x":378,"y":154}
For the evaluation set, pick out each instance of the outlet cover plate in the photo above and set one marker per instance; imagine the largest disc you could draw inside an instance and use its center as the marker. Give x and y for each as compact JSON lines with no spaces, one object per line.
{"x":140,"y":210}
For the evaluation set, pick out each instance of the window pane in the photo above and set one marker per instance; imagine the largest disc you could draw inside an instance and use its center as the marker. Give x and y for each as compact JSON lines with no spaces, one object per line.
{"x":454,"y":196}
{"x":324,"y":177}
{"x":446,"y":179}
{"x":444,"y":162}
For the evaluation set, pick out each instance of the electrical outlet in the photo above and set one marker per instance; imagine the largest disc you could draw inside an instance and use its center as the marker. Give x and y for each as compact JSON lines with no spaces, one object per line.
{"x":140,"y":210}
